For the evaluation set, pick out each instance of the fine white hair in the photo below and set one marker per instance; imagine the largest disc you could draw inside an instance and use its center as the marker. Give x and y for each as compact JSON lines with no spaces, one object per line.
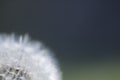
{"x":32,"y":56}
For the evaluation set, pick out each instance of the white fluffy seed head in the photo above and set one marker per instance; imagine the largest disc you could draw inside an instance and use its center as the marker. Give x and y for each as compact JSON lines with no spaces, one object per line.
{"x":28,"y":57}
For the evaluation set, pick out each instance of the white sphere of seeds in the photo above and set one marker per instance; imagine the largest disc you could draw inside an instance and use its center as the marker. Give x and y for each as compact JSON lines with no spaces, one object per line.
{"x":22,"y":59}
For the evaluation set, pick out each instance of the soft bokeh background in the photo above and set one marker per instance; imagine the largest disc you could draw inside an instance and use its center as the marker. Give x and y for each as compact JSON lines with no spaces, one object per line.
{"x":83,"y":34}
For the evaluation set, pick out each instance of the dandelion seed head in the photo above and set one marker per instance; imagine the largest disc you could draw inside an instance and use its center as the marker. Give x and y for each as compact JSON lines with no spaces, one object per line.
{"x":30,"y":58}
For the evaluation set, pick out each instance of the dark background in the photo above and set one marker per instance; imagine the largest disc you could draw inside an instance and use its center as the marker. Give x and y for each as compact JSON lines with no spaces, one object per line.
{"x":76,"y":30}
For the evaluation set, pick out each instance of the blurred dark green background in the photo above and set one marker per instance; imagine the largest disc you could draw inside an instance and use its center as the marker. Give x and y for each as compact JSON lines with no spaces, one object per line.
{"x":83,"y":34}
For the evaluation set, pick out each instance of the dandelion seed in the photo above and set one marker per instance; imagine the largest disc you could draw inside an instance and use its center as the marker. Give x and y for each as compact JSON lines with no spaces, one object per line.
{"x":22,"y":59}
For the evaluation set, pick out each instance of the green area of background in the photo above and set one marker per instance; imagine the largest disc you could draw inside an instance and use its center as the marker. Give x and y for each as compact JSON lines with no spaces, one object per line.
{"x":97,"y":71}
